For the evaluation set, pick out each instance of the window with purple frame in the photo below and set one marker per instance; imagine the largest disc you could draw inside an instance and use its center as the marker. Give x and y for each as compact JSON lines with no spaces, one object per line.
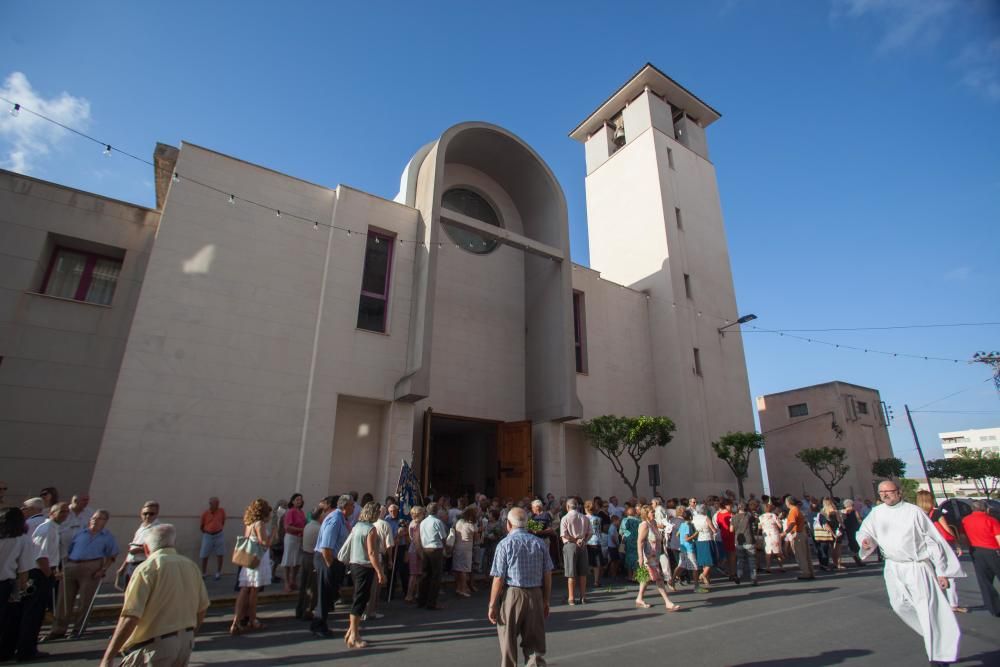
{"x":373,"y":308}
{"x":82,"y":276}
{"x":580,"y":331}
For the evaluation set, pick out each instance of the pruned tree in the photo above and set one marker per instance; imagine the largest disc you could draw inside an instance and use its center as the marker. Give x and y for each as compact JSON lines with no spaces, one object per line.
{"x":982,"y":467}
{"x":829,"y":464}
{"x":890,"y":468}
{"x":735,"y":449}
{"x":624,"y":439}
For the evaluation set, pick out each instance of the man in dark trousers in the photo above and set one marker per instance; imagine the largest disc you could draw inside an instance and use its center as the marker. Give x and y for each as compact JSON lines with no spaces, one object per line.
{"x":983,"y":532}
{"x":329,"y":571}
{"x":522,"y":578}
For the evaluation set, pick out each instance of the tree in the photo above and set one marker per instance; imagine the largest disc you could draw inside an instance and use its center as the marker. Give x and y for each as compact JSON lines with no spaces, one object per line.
{"x":735,"y":449}
{"x":982,"y":467}
{"x":890,"y":468}
{"x":908,"y":489}
{"x":620,"y":439}
{"x":827,"y":463}
{"x":942,"y":469}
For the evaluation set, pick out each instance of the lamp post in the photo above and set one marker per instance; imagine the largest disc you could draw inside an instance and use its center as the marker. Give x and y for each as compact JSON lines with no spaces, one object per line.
{"x":742,"y":320}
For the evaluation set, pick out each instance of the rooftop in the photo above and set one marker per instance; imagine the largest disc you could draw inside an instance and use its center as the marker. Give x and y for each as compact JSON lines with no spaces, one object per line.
{"x":661,"y":84}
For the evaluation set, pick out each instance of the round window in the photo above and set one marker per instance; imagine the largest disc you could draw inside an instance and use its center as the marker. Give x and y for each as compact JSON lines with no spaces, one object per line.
{"x":475,"y":206}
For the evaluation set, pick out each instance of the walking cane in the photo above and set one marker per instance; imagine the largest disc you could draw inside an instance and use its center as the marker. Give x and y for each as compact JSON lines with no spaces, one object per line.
{"x":81,"y":627}
{"x":392,"y":577}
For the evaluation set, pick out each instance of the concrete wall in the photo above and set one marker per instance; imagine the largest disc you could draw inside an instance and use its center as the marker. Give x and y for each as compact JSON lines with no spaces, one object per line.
{"x":864,"y":436}
{"x":60,"y":357}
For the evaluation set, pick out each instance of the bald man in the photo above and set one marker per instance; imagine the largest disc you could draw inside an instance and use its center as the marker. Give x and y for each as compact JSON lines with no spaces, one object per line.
{"x":918,"y":565}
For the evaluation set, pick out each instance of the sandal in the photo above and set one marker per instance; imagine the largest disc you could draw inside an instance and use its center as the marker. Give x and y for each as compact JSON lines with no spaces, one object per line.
{"x":255,"y":626}
{"x":235,"y":630}
{"x":676,"y":607}
{"x":642,"y":604}
{"x":358,"y":643}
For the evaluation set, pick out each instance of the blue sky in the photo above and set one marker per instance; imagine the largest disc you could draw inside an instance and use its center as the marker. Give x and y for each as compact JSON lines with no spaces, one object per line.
{"x":858,"y":154}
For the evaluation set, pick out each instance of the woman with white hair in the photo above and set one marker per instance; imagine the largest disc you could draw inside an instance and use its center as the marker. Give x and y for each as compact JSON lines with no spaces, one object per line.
{"x":366,"y":568}
{"x":703,"y":547}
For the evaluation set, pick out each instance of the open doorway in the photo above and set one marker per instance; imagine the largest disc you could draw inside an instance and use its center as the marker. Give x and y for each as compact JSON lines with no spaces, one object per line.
{"x":464,"y":456}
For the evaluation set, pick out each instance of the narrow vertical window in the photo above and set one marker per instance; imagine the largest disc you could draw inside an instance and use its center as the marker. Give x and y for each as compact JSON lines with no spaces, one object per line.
{"x":670,"y":159}
{"x":680,"y":222}
{"x":697,"y":361}
{"x":373,"y":308}
{"x":687,"y":285}
{"x":580,"y":331}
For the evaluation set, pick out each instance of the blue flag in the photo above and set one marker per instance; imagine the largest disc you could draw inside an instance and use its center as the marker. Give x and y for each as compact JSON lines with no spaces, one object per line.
{"x":408,"y":491}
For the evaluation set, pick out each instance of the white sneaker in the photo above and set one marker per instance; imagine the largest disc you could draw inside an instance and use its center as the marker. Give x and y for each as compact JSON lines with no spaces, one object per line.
{"x":217,"y":576}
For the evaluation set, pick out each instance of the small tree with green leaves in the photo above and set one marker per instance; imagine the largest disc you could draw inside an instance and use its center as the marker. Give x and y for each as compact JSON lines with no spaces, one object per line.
{"x":942,"y":469}
{"x":982,"y":467}
{"x":908,"y":489}
{"x":829,"y":464}
{"x":735,"y":449}
{"x":622,"y":440}
{"x":890,"y":468}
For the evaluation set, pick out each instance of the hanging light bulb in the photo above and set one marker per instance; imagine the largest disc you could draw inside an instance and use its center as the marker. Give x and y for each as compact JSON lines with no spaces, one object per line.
{"x":107,"y":149}
{"x":277,"y":213}
{"x":16,"y":111}
{"x":176,"y":177}
{"x":315,"y":225}
{"x":348,"y":232}
{"x":232,"y":199}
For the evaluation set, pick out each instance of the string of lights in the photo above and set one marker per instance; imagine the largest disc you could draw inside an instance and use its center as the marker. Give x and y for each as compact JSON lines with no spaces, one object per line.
{"x":362,"y":235}
{"x":956,"y":393}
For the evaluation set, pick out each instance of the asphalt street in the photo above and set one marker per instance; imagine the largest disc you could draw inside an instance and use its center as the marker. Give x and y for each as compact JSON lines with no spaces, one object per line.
{"x":838,"y":619}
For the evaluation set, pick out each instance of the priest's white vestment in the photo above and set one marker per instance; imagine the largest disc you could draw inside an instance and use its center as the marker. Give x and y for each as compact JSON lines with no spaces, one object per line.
{"x":915,"y":555}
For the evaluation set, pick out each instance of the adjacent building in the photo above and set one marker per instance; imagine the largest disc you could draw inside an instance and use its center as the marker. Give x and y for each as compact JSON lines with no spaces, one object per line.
{"x":257,"y":334}
{"x":953,"y":442}
{"x":834,"y":414}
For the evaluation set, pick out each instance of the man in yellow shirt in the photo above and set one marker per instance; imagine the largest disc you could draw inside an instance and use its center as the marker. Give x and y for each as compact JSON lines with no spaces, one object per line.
{"x":165,"y":603}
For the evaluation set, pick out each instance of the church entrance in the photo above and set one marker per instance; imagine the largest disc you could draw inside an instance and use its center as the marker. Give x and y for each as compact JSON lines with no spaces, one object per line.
{"x":465,"y":456}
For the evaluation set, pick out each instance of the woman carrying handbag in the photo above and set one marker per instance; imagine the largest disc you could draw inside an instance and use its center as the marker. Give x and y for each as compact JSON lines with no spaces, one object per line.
{"x":255,"y":545}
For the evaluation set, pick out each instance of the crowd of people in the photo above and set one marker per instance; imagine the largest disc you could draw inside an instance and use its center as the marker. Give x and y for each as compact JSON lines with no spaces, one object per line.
{"x":54,"y":555}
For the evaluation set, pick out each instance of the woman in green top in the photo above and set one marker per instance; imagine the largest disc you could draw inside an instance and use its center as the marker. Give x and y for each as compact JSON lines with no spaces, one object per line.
{"x":366,"y":568}
{"x":630,"y":537}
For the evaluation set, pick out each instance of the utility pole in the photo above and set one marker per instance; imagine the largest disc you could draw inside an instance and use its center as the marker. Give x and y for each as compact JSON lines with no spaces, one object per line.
{"x":920,"y":452}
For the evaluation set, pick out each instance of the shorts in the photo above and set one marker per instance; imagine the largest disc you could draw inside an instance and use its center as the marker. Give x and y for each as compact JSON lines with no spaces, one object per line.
{"x":595,"y":557}
{"x":213,"y":545}
{"x":575,"y":562}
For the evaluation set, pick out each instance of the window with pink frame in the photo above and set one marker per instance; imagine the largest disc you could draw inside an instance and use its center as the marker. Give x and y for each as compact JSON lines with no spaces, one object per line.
{"x":373,"y":307}
{"x":82,"y":276}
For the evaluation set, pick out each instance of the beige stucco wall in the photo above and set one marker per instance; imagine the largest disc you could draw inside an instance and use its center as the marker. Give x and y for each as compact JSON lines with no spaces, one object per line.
{"x":60,"y":357}
{"x":864,"y":436}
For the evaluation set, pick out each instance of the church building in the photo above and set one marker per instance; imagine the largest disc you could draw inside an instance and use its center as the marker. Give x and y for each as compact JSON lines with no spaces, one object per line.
{"x":258,"y":335}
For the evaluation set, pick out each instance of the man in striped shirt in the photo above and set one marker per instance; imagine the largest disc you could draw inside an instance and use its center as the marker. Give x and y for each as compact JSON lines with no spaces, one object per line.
{"x":522,"y":577}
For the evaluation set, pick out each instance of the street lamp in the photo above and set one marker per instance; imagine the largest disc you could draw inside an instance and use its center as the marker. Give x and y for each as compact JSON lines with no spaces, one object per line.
{"x":742,"y":320}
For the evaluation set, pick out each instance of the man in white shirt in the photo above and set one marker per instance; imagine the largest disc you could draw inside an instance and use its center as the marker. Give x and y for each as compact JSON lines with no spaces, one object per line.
{"x":35,"y":512}
{"x":148,"y":516}
{"x":307,"y":582}
{"x":45,"y":539}
{"x":614,"y":509}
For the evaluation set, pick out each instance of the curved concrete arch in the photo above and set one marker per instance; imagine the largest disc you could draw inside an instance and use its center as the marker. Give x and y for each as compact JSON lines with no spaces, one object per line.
{"x":550,"y":373}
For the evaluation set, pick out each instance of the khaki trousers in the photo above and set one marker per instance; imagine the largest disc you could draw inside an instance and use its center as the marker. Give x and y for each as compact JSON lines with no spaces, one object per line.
{"x":172,"y":651}
{"x":522,"y":614}
{"x":78,"y":580}
{"x":800,"y":545}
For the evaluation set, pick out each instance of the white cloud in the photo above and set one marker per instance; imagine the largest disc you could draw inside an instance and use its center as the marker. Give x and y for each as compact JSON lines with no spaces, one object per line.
{"x":958,"y":274}
{"x":981,"y":64}
{"x":26,"y":139}
{"x":907,"y":21}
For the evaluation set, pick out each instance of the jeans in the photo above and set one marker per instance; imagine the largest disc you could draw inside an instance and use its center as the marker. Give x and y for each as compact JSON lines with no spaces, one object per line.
{"x":746,"y":561}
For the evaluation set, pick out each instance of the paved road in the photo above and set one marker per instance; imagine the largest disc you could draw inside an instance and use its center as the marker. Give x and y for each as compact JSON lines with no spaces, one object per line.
{"x":839,"y":619}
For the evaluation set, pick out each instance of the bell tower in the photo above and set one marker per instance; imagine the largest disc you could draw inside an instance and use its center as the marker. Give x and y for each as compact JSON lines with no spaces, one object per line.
{"x":655,"y":224}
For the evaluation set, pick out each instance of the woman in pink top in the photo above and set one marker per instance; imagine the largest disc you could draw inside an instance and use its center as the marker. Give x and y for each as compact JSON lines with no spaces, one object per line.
{"x":413,"y":555}
{"x":295,"y":523}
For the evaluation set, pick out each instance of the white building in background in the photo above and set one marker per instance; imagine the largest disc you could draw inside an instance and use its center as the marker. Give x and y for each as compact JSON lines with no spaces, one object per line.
{"x":986,"y":439}
{"x":256,"y":334}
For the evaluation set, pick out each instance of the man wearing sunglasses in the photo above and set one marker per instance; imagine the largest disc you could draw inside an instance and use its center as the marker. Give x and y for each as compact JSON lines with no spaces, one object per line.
{"x":137,"y":551}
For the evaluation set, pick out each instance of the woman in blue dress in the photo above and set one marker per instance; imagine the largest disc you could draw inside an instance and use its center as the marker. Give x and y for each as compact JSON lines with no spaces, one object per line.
{"x":630,"y":538}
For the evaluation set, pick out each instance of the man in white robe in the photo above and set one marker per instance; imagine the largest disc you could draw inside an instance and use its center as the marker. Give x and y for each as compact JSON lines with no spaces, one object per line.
{"x":918,"y":564}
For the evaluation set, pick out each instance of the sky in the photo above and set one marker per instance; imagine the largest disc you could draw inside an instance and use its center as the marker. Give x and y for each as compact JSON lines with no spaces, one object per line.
{"x":858,"y":153}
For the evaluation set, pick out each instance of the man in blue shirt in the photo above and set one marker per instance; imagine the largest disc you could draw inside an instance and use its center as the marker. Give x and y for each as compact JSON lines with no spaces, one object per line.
{"x":92,"y":551}
{"x":522,"y":576}
{"x":330,"y":571}
{"x":432,"y":535}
